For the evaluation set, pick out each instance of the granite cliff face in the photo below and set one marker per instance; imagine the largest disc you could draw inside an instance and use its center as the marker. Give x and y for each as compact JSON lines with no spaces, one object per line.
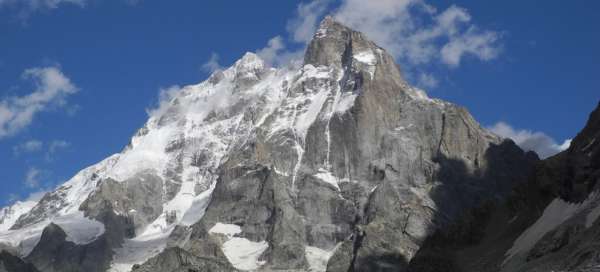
{"x":338,"y":165}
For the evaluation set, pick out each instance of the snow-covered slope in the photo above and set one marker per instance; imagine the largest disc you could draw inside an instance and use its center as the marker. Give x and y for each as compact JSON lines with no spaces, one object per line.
{"x":183,"y":142}
{"x":10,"y":215}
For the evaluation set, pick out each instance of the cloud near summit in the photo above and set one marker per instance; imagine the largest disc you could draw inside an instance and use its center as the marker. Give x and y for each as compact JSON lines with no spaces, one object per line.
{"x":413,"y":31}
{"x":528,"y":140}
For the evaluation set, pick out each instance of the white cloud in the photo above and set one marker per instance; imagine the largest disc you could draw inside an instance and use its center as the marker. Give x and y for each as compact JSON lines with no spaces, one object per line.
{"x":25,"y":8}
{"x":164,"y":99}
{"x":212,"y":65}
{"x":34,"y":196}
{"x":32,"y":177}
{"x":52,"y":89}
{"x":54,"y":147}
{"x":12,"y":198}
{"x":40,"y":4}
{"x":416,"y":34}
{"x":529,"y":140}
{"x":274,"y":46}
{"x":413,"y":31}
{"x":57,"y":144}
{"x":277,"y":54}
{"x":302,"y":27}
{"x":300,"y":30}
{"x":427,"y":81}
{"x":28,"y":147}
{"x":32,"y":146}
{"x":481,"y":45}
{"x":565,"y":145}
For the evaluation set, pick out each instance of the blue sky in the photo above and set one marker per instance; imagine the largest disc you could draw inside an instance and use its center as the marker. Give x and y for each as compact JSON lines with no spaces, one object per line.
{"x":82,"y":73}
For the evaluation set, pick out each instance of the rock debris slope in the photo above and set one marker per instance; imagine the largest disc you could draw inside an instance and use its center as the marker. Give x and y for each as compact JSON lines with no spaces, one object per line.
{"x":338,"y":165}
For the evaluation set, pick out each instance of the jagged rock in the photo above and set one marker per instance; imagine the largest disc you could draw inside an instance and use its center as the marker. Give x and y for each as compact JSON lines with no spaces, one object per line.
{"x":178,"y":260}
{"x":139,"y":198}
{"x":54,"y":253}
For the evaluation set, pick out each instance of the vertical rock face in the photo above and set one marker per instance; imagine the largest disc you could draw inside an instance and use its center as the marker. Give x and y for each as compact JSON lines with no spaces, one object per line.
{"x":338,"y":165}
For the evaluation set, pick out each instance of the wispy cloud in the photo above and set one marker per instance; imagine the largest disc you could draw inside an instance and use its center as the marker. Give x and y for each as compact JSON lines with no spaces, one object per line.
{"x":416,"y":33}
{"x":52,"y":88}
{"x":40,"y":4}
{"x":33,"y":146}
{"x":300,"y":29}
{"x":427,"y":81}
{"x":212,"y":65}
{"x":36,"y":196}
{"x":54,"y":147}
{"x":28,"y":147}
{"x":32,"y":178}
{"x":303,"y":25}
{"x":165,"y":96}
{"x":413,"y":31}
{"x":23,"y":9}
{"x":276,"y":53}
{"x":544,"y":145}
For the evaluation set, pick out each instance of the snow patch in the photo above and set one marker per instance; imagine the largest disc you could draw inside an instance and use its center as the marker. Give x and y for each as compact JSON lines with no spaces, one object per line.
{"x":197,"y":209}
{"x":318,"y":258}
{"x":228,"y":230}
{"x":244,"y":254}
{"x":79,"y":229}
{"x":327,"y":177}
{"x":10,"y":215}
{"x":137,"y":251}
{"x":345,"y":102}
{"x":366,"y":57}
{"x":307,"y":118}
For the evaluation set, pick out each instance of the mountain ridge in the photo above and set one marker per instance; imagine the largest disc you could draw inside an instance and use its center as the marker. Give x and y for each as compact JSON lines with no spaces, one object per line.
{"x":339,"y":165}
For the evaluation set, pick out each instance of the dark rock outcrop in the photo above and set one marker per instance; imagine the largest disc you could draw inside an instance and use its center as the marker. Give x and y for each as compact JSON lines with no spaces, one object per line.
{"x":11,"y":263}
{"x":54,"y":253}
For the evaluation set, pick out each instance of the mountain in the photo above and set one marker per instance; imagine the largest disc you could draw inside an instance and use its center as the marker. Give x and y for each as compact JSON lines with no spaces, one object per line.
{"x":336,"y":165}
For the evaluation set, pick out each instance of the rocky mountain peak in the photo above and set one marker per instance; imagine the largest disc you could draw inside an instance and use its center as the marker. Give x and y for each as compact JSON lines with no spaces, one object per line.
{"x":327,"y":167}
{"x":337,"y":45}
{"x":249,"y":63}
